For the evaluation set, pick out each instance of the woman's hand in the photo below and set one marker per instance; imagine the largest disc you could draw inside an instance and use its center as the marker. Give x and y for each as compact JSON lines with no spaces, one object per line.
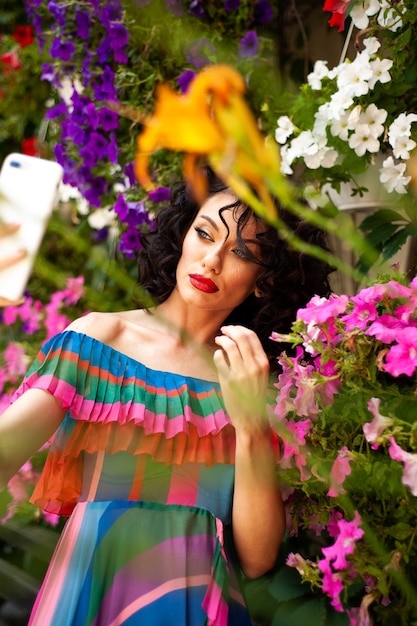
{"x":10,"y":259}
{"x":258,"y":513}
{"x":243,"y":370}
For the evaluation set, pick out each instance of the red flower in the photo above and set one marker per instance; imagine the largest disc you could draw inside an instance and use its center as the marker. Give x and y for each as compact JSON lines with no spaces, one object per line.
{"x":23,"y":35}
{"x":11,"y":61}
{"x":30,"y":146}
{"x":339,"y":8}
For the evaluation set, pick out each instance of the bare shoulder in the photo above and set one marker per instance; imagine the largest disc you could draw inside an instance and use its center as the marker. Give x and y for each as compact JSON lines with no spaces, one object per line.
{"x":101,"y":326}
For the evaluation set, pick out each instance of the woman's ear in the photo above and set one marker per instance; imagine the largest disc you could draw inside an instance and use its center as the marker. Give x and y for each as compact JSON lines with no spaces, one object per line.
{"x":258,"y":292}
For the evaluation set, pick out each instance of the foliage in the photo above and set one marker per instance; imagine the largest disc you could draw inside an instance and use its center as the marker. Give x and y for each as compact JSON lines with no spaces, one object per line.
{"x":360,"y":113}
{"x":345,"y":409}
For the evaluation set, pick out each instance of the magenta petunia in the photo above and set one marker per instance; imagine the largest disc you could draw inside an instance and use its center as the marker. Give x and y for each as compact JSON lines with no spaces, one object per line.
{"x":340,"y":469}
{"x":409,"y":478}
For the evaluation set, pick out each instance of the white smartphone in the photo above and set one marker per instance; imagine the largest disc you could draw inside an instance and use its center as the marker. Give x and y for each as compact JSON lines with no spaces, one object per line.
{"x":28,"y":193}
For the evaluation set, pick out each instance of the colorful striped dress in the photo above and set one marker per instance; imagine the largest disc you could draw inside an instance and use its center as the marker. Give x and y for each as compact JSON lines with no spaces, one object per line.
{"x":143,"y":465}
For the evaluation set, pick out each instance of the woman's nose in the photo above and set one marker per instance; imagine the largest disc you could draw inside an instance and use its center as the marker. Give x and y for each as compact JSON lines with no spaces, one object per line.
{"x":213,"y":259}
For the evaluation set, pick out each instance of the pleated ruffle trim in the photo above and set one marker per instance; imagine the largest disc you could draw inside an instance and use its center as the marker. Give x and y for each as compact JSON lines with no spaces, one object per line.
{"x":116,"y":404}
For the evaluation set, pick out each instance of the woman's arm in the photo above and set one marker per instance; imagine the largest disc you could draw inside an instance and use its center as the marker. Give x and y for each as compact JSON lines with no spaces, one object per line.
{"x":25,"y":427}
{"x":258,"y":512}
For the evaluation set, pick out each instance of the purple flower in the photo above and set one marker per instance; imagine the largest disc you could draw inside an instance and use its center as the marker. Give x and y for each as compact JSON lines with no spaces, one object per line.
{"x":63,"y":50}
{"x":130,"y":173}
{"x":196,"y":10}
{"x":120,"y":207}
{"x":263,"y":12}
{"x":57,"y":111}
{"x":92,"y":116}
{"x":185,"y":79}
{"x":161,"y":194}
{"x":88,"y":155}
{"x":112,"y":149}
{"x":119,"y":35}
{"x":248,"y":44}
{"x":231,"y":5}
{"x":97,"y":187}
{"x":77,"y":134}
{"x":98,"y":144}
{"x":129,"y":242}
{"x":111,"y":12}
{"x":104,"y":50}
{"x":109,"y":120}
{"x":58,"y":11}
{"x":82,"y":19}
{"x":50,"y":74}
{"x":175,"y":7}
{"x":196,"y":54}
{"x":106,"y":89}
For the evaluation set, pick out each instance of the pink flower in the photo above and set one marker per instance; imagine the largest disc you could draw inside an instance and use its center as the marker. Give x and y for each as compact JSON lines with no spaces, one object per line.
{"x":293,"y":439}
{"x":297,"y":561}
{"x":340,"y":469}
{"x":349,"y":534}
{"x":409,"y":478}
{"x":74,"y":290}
{"x":362,"y":313}
{"x":332,"y":584}
{"x":373,"y":430}
{"x":321,"y":310}
{"x":402,"y":357}
{"x":16,"y":361}
{"x":297,"y":388}
{"x":385,"y":328}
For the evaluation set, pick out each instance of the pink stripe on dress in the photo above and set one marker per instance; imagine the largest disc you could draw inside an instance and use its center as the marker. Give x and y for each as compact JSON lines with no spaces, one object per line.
{"x":47,"y":600}
{"x":183,"y":487}
{"x":159,"y":592}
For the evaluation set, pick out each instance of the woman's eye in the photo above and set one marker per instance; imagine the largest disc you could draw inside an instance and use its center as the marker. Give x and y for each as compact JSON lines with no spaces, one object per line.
{"x":242,"y":254}
{"x":202,"y":233}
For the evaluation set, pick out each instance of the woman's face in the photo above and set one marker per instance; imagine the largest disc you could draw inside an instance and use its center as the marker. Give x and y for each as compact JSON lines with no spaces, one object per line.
{"x":214,"y":271}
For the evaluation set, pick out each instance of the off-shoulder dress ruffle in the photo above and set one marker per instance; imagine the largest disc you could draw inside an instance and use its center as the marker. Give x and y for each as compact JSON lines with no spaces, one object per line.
{"x":143,"y":464}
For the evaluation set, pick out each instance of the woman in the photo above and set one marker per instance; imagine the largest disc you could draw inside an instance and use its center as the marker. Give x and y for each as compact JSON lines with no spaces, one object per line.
{"x":163,"y":454}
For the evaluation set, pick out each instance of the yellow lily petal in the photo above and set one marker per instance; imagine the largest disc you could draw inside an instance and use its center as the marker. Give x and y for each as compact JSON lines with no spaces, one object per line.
{"x":184,"y":122}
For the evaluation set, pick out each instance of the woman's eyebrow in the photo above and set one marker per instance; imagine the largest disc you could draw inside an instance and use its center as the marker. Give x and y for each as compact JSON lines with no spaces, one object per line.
{"x":212,"y":222}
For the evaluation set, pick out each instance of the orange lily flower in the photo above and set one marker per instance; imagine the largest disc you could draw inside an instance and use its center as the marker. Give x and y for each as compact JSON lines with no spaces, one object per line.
{"x":213,"y":120}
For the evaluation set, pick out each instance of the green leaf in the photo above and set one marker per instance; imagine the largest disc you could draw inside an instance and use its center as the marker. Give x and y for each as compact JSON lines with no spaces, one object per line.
{"x":287,"y":585}
{"x":296,"y":613}
{"x":400,"y":531}
{"x":380,"y":217}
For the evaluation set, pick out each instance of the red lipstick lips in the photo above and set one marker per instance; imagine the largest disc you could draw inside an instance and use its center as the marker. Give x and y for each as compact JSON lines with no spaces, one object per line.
{"x":203,"y":284}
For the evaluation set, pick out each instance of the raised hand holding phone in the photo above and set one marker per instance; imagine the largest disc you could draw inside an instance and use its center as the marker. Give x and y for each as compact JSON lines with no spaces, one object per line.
{"x":28,"y":192}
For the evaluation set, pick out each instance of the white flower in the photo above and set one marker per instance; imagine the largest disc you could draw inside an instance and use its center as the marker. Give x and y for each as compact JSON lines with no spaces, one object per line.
{"x":388,"y":17}
{"x":100,"y":218}
{"x":363,"y":140}
{"x":340,"y":127}
{"x":339,"y":102}
{"x":284,"y":129}
{"x":354,"y":76}
{"x":380,"y":71}
{"x":321,"y":121}
{"x":401,"y":127}
{"x":403,"y":146}
{"x":286,"y":161}
{"x":304,"y":144}
{"x":361,"y":12}
{"x":392,"y":176}
{"x":354,"y":117}
{"x":324,"y":157}
{"x":320,"y":70}
{"x":372,"y":45}
{"x":374,"y":118}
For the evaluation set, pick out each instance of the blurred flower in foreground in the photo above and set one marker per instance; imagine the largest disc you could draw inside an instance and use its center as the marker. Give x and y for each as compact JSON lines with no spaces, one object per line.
{"x":212,"y":120}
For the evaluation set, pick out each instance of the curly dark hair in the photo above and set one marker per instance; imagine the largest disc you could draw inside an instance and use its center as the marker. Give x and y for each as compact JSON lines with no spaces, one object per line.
{"x":290,"y":278}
